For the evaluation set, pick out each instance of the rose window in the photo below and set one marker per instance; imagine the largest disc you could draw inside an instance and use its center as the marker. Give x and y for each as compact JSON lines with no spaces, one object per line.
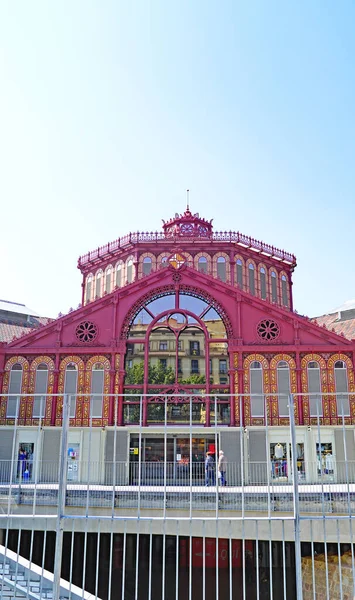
{"x":86,"y":331}
{"x":268,"y":330}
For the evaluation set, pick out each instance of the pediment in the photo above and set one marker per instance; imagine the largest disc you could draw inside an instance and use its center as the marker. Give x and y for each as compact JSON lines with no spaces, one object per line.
{"x":247,"y":315}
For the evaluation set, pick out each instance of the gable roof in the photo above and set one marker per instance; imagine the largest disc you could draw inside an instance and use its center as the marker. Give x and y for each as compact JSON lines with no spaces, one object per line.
{"x":317,"y":330}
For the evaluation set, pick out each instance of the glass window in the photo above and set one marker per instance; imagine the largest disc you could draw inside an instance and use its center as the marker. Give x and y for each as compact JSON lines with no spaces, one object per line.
{"x":70,"y":386}
{"x":119,"y":275}
{"x":88,"y":288}
{"x":97,"y":390}
{"x":221,"y":268}
{"x":239,"y":273}
{"x":202,"y":264}
{"x":283,"y":387}
{"x":164,"y":261}
{"x":256,"y":390}
{"x":147,"y":265}
{"x":195,"y":348}
{"x":130,"y":270}
{"x":273,"y":286}
{"x":263,"y":283}
{"x":325,"y":459}
{"x":163,"y":362}
{"x":15,"y":383}
{"x":39,"y":401}
{"x":194,"y":367}
{"x":341,"y":388}
{"x":284,"y":290}
{"x":251,"y":279}
{"x":108,"y":280}
{"x":223,"y":366}
{"x":175,"y":330}
{"x":98,"y":285}
{"x":314,"y":388}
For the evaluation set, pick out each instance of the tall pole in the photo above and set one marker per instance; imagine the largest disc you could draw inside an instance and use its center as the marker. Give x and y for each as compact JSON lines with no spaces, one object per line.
{"x":62,"y":488}
{"x":296,"y":501}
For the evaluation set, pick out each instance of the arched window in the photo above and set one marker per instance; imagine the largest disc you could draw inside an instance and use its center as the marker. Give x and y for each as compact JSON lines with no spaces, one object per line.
{"x":119,"y":275}
{"x":164,"y":261}
{"x":314,"y":388}
{"x":284,"y":290}
{"x":129,"y":270}
{"x":88,"y":288}
{"x":283,"y":387}
{"x":263,"y":283}
{"x":175,"y":332}
{"x":273,"y":287}
{"x":239,"y":272}
{"x":147,"y":265}
{"x":70,"y":386}
{"x":256,"y":389}
{"x":15,"y":383}
{"x":39,"y":401}
{"x":221,"y":268}
{"x":98,"y":284}
{"x":97,"y":390}
{"x":108,"y":280}
{"x":202,"y":264}
{"x":341,"y":388}
{"x":251,"y":274}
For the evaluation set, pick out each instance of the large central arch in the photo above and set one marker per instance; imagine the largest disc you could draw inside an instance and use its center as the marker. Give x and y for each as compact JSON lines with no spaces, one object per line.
{"x":177,"y":346}
{"x":166,"y":290}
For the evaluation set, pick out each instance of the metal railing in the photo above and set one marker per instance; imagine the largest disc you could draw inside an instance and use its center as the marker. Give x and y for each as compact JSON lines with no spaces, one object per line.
{"x":221,"y":236}
{"x":115,"y":523}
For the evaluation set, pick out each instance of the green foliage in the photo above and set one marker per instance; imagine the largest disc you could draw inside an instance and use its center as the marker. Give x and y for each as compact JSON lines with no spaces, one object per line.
{"x":135,"y":375}
{"x":157,"y":374}
{"x":194,"y":380}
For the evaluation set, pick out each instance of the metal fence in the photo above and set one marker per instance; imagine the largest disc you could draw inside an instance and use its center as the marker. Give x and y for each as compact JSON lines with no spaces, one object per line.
{"x":272,"y":525}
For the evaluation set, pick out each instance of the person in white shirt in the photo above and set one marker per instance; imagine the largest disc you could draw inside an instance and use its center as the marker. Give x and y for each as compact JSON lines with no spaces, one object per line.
{"x":222,"y":467}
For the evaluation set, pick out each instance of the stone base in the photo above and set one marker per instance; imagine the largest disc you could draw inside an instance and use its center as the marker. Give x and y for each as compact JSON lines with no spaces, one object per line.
{"x":334,"y":577}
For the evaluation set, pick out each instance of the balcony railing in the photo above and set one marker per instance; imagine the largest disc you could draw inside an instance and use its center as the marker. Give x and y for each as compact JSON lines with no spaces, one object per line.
{"x":156,"y":237}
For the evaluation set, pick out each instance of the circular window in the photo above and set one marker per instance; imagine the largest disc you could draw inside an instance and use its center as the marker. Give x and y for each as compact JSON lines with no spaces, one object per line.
{"x":86,"y":331}
{"x":268,"y":330}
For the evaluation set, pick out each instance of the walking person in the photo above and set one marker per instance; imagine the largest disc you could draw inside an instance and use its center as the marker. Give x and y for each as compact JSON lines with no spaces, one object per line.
{"x":222,"y":468}
{"x":209,"y":469}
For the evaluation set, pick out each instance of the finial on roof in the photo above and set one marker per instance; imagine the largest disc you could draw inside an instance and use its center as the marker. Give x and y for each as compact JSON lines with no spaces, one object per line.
{"x":187,"y":200}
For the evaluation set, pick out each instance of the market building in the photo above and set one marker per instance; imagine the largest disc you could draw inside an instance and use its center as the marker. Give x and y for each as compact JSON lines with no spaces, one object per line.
{"x":197,"y":321}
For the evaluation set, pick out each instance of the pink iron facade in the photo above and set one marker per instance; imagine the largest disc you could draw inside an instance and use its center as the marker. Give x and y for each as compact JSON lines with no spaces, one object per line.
{"x":246,"y":282}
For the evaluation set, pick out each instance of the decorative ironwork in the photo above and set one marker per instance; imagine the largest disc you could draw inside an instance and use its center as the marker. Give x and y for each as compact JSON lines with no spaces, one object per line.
{"x":176,"y":277}
{"x":268,"y":330}
{"x":86,"y":332}
{"x":224,"y":236}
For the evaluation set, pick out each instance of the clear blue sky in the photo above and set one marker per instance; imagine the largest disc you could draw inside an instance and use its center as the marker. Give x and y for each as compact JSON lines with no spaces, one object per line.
{"x":110,"y":110}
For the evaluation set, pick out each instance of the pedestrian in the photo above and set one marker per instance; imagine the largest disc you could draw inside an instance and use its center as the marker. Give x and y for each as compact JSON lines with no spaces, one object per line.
{"x":222,"y":468}
{"x":22,"y":462}
{"x":209,"y":469}
{"x":30,"y":463}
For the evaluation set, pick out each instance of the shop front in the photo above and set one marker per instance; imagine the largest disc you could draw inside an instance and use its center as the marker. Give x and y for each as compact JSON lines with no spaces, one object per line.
{"x":281,"y":458}
{"x":174,"y":459}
